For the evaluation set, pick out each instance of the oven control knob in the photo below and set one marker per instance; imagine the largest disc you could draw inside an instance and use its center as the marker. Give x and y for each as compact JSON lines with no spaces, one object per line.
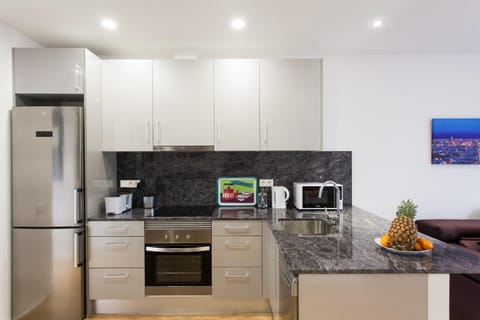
{"x":177,"y":236}
{"x":188,"y":237}
{"x":165,"y":237}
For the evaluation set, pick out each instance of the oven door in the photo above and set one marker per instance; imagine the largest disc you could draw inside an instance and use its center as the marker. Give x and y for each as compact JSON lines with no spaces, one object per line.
{"x":178,"y":269}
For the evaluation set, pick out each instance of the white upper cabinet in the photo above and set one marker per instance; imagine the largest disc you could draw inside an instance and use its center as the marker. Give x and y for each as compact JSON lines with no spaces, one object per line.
{"x":127,"y":105}
{"x":183,"y":103}
{"x":237,"y":105}
{"x":49,"y":70}
{"x":290,"y":105}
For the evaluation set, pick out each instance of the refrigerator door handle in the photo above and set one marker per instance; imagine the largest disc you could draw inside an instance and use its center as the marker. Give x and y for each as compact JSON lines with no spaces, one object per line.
{"x":77,"y":249}
{"x":76,"y":206}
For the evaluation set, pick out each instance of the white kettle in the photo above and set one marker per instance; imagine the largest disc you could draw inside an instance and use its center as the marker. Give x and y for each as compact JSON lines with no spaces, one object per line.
{"x":280,"y":195}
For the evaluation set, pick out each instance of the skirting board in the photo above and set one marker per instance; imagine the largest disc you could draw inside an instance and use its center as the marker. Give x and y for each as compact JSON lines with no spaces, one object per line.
{"x":180,"y":305}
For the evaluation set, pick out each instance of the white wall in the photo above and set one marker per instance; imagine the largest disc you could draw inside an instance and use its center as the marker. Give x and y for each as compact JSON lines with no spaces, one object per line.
{"x":380,"y":107}
{"x":9,"y":38}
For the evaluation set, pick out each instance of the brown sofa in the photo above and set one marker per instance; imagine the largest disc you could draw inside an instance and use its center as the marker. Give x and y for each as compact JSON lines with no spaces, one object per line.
{"x":464,"y":288}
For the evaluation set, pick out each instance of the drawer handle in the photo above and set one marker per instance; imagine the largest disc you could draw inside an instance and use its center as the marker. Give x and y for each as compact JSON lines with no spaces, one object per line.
{"x":123,"y":244}
{"x":116,"y":276}
{"x":116,"y":229}
{"x":237,"y":229}
{"x":237,"y":275}
{"x":237,"y":244}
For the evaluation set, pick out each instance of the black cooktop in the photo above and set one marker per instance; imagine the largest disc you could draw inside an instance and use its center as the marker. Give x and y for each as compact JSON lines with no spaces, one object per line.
{"x":184,"y":211}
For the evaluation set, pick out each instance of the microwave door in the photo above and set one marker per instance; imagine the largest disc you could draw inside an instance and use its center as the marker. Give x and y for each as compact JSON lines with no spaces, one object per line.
{"x":312,"y":201}
{"x":47,"y":161}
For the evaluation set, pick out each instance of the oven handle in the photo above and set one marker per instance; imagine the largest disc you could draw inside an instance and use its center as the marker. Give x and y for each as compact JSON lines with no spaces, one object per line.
{"x":178,"y":250}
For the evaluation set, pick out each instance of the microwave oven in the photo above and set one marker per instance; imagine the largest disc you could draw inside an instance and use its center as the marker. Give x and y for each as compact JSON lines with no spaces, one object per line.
{"x":305,"y":196}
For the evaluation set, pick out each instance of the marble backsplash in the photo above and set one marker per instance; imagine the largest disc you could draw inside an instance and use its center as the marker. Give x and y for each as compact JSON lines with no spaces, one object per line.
{"x":189,"y":178}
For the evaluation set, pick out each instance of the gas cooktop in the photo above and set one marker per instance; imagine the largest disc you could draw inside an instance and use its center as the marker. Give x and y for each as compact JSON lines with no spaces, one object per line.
{"x":184,"y":211}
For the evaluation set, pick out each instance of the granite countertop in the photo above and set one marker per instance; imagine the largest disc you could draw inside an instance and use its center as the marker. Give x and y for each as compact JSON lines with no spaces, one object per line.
{"x":351,"y":251}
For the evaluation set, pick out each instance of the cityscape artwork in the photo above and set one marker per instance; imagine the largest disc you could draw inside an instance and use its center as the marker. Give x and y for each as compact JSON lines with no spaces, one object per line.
{"x":455,"y":141}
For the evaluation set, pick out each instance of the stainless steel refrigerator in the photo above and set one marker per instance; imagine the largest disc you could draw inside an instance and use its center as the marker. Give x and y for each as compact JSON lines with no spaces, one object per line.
{"x":48,"y":213}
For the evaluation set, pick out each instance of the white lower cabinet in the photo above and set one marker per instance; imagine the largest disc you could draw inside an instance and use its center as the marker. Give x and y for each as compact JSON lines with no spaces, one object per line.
{"x":116,"y":260}
{"x":116,"y":283}
{"x":116,"y":251}
{"x":240,"y":251}
{"x":237,"y":282}
{"x":237,"y":259}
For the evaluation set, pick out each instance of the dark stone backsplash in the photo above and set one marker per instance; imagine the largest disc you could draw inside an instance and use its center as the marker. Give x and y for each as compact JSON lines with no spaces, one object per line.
{"x":189,"y":178}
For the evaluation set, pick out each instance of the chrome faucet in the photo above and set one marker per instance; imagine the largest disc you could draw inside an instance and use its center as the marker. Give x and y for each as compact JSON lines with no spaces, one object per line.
{"x":337,"y":193}
{"x":339,"y":214}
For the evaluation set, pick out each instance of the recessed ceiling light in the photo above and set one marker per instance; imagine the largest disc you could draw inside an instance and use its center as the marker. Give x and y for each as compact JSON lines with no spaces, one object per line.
{"x":238,"y":24}
{"x":109,"y":24}
{"x":377,"y":23}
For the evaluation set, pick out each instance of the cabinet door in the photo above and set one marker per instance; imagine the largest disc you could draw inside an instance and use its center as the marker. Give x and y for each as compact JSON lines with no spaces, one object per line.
{"x":237,"y":105}
{"x":183,"y":103}
{"x":49,"y":70}
{"x":127,"y":105}
{"x":290,"y":108}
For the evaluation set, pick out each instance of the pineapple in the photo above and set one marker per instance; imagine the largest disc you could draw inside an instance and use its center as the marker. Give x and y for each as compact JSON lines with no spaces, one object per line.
{"x":403,"y":231}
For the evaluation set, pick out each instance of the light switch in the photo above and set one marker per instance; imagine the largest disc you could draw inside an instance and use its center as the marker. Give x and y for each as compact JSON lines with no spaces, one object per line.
{"x":266,"y":183}
{"x":129,"y":183}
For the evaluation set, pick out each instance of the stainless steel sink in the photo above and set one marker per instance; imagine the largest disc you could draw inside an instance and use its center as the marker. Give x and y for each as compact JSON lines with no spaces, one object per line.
{"x":308,"y":227}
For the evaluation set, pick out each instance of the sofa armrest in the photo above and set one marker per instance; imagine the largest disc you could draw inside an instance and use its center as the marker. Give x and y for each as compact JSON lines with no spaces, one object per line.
{"x":449,"y":230}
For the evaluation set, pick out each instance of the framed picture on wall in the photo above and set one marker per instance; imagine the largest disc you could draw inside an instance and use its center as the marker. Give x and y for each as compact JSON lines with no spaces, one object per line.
{"x":456,"y":141}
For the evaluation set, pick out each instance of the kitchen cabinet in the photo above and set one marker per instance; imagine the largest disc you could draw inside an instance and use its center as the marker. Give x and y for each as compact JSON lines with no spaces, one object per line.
{"x":49,"y":70}
{"x":290,"y":104}
{"x":183,"y":103}
{"x":236,"y":105}
{"x":116,"y":260}
{"x":396,"y":296}
{"x":270,"y":269}
{"x":127,"y":105}
{"x":237,"y":259}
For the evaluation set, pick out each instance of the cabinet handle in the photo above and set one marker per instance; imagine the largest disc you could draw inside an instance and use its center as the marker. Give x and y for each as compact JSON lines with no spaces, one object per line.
{"x":243,"y":229}
{"x":237,"y":244}
{"x":78,"y":71}
{"x":148,"y":132}
{"x":238,"y":276}
{"x":266,"y":133}
{"x":122,"y":244}
{"x":158,"y":132}
{"x":116,"y":275}
{"x":116,"y":230}
{"x":219,"y":132}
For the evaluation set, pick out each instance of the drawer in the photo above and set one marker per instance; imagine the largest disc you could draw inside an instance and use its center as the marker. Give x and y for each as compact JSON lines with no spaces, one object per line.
{"x":236,"y":282}
{"x":119,"y":283}
{"x":237,"y":251}
{"x":236,"y":227}
{"x":115,"y":228}
{"x":112,"y":252}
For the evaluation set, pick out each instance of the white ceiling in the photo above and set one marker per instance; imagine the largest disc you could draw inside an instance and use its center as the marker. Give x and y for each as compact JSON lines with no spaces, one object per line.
{"x":275,"y":28}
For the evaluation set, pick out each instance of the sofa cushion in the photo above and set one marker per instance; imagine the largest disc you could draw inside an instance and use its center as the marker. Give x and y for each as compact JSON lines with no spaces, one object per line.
{"x":449,"y":230}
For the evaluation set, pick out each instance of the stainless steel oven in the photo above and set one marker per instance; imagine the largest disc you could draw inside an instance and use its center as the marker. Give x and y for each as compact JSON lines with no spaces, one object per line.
{"x":178,"y":257}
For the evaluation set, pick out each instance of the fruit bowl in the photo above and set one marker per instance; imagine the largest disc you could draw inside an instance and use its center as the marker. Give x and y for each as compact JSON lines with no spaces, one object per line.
{"x":408,"y":253}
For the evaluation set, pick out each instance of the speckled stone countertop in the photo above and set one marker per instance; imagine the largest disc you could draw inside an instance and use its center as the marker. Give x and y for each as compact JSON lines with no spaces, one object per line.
{"x":352,"y":250}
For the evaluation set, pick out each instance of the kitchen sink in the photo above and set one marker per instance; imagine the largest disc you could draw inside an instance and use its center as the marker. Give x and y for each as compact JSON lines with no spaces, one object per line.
{"x":308,"y":227}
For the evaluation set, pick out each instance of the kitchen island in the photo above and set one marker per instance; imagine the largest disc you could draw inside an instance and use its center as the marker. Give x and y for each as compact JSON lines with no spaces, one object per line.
{"x":344,"y":267}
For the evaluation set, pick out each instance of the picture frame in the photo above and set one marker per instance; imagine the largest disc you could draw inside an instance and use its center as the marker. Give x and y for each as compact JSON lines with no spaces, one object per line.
{"x":455,"y":141}
{"x":237,"y":191}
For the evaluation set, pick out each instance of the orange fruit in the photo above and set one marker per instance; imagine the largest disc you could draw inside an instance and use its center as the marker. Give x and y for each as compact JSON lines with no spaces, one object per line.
{"x":418,"y":247}
{"x":426,"y":245}
{"x":385,"y":240}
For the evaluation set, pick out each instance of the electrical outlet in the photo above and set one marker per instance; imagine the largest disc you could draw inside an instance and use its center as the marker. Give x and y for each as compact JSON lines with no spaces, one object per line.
{"x":129,"y":183}
{"x":266,"y":183}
